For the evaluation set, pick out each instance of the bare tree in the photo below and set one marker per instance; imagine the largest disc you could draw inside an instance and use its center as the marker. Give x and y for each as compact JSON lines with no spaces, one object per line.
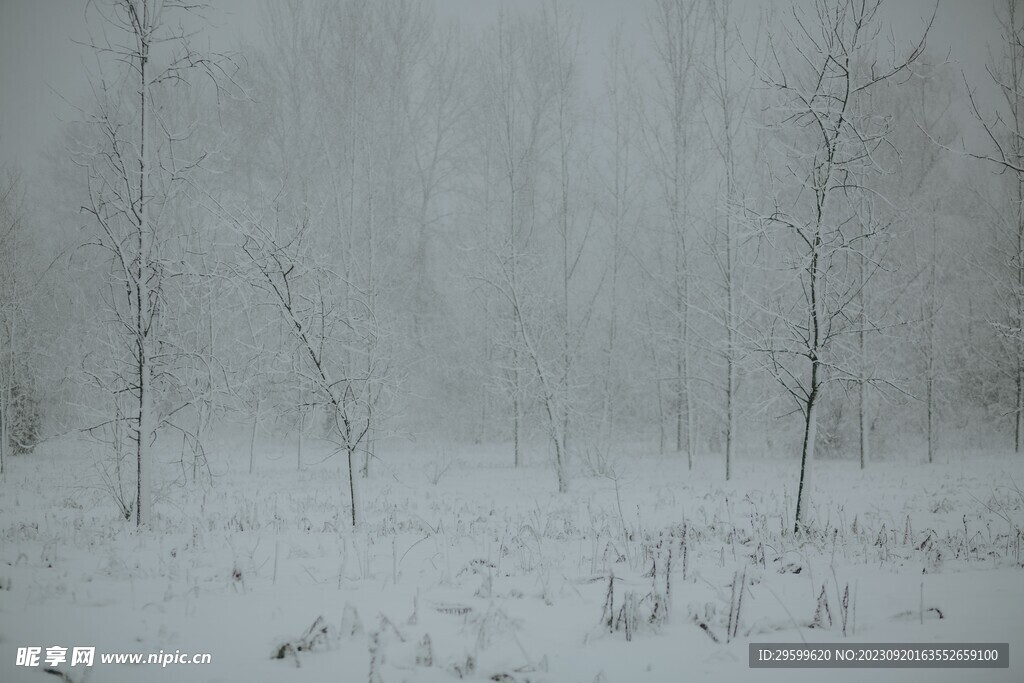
{"x":136,"y":173}
{"x":670,"y":122}
{"x":535,"y":165}
{"x":561,"y":380}
{"x":730,"y":91}
{"x":921,"y":116}
{"x":1002,"y":122}
{"x":288,"y":109}
{"x":511,"y":122}
{"x":827,"y":143}
{"x":332,"y":327}
{"x":621,"y":185}
{"x":12,"y":317}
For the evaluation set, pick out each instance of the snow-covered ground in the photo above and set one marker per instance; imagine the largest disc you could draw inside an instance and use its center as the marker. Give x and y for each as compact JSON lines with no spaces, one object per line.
{"x":507,"y":579}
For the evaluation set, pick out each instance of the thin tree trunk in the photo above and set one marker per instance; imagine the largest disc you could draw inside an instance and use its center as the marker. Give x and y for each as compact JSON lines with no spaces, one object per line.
{"x":252,"y":439}
{"x":862,"y":385}
{"x":729,"y":108}
{"x":1017,"y":146}
{"x":930,"y":401}
{"x":662,"y":439}
{"x":862,"y":421}
{"x":661,"y":422}
{"x":930,"y":378}
{"x":515,"y":422}
{"x":730,"y":357}
{"x":730,"y":407}
{"x":302,"y":427}
{"x":803,"y":496}
{"x":685,"y":412}
{"x":353,"y":486}
{"x":516,"y":451}
{"x":813,"y":393}
{"x":371,"y":254}
{"x":691,"y":414}
{"x":143,"y":302}
{"x":7,"y":409}
{"x":566,"y":382}
{"x":7,"y":396}
{"x":606,"y":408}
{"x":1019,"y":298}
{"x":5,"y":401}
{"x":560,"y":468}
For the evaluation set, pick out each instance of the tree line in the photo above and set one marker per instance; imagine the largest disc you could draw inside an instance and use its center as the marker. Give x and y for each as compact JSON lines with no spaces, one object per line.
{"x":789,"y":233}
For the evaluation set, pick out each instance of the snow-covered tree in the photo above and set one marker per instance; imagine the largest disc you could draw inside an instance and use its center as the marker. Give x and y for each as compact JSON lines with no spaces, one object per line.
{"x":1001,"y":120}
{"x":137,"y":172}
{"x":822,"y":71}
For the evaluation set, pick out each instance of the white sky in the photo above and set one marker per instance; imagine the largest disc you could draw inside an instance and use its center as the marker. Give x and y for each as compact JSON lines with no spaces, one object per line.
{"x":39,"y":63}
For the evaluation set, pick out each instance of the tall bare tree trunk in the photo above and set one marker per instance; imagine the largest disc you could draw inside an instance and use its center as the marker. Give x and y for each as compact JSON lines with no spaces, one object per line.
{"x":513,"y":257}
{"x":7,"y":397}
{"x":1018,"y":436}
{"x":930,"y":360}
{"x":862,"y":385}
{"x":815,"y":311}
{"x":144,"y":302}
{"x":730,"y":359}
{"x":7,"y":390}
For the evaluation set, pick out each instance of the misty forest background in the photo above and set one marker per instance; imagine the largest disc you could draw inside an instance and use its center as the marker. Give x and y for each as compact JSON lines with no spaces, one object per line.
{"x":793,"y":233}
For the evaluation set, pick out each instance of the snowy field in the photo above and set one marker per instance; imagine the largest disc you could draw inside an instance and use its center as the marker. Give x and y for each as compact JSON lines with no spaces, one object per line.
{"x":507,"y":580}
